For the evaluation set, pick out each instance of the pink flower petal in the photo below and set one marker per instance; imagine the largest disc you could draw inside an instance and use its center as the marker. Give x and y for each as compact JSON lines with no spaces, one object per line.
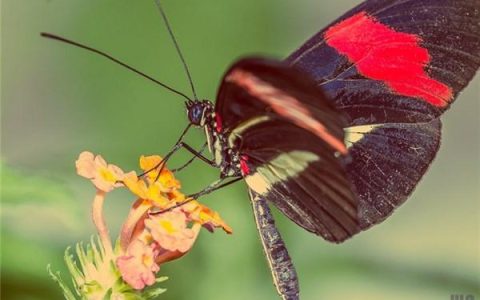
{"x":138,"y":267}
{"x":100,"y":162}
{"x":104,"y":177}
{"x":85,"y":165}
{"x":170,"y":231}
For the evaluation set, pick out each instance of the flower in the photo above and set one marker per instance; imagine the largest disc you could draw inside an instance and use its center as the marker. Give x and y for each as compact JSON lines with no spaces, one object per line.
{"x":148,"y":191}
{"x":138,"y":266}
{"x":210,"y":219}
{"x":96,"y":276}
{"x":105,"y":177}
{"x":163,"y":237}
{"x":151,"y":165}
{"x":93,"y":276}
{"x":160,"y":188}
{"x":162,"y":225}
{"x":170,"y":231}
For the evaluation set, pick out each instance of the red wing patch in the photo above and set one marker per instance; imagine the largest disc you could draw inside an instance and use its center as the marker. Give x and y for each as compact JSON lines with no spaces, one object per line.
{"x":244,"y":166}
{"x":218,"y":123}
{"x":396,"y":58}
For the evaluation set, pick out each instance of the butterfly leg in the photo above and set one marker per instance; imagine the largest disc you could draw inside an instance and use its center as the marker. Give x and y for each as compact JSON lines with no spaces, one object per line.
{"x":175,"y":148}
{"x":197,"y":154}
{"x":179,"y":145}
{"x":190,"y":160}
{"x":212,"y":187}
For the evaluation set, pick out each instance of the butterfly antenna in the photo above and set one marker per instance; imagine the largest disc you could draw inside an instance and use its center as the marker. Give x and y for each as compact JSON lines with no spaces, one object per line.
{"x":174,"y":40}
{"x":64,"y":40}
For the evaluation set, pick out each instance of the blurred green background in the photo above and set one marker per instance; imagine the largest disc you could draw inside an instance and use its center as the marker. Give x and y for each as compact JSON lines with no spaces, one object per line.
{"x":58,"y":101}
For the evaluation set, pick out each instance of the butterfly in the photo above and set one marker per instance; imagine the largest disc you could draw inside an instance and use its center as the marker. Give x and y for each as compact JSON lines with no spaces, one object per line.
{"x":339,"y":133}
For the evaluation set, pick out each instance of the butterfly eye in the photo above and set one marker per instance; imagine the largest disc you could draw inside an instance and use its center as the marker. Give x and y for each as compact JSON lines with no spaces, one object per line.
{"x":195,"y":114}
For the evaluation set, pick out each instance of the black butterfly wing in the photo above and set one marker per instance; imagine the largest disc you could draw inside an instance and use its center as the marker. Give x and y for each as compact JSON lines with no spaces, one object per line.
{"x":294,"y":170}
{"x":258,"y":87}
{"x":386,"y":163}
{"x":289,"y":139}
{"x":392,"y":67}
{"x":396,"y":65}
{"x":395,"y":61}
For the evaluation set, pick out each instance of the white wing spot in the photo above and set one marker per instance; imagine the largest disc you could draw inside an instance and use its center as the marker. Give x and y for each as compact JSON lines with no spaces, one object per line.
{"x":356,"y":133}
{"x":282,"y":167}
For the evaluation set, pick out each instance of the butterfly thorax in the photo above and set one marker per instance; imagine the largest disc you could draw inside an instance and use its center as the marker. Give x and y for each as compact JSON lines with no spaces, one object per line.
{"x":202,"y":114}
{"x":225,"y":157}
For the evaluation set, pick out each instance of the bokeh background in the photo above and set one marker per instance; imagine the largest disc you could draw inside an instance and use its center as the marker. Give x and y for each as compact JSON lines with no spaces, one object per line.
{"x":58,"y":101}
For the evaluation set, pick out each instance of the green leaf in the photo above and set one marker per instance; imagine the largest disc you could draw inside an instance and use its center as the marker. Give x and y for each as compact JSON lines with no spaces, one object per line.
{"x":153,"y":293}
{"x":161,"y":279}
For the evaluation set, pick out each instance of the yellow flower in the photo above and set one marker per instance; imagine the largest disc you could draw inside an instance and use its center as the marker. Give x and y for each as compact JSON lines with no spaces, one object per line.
{"x":104,"y":176}
{"x":152,"y":165}
{"x":160,"y":188}
{"x":209,"y":219}
{"x":147,"y":191}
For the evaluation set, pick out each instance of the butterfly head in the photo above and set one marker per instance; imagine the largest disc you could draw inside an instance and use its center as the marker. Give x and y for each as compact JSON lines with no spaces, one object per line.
{"x":199,"y":111}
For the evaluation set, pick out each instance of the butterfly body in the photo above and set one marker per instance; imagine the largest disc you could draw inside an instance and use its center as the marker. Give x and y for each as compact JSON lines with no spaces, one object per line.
{"x":306,"y":131}
{"x":225,"y":158}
